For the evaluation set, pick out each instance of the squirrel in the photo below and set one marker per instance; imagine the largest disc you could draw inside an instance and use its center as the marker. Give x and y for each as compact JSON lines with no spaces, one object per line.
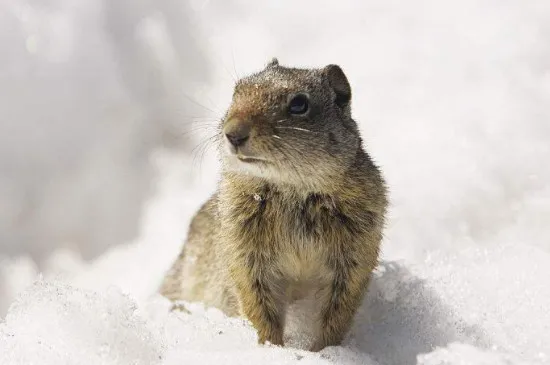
{"x":299,"y":210}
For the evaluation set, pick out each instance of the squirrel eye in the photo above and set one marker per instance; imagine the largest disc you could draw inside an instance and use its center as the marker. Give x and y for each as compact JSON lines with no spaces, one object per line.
{"x":298,"y":105}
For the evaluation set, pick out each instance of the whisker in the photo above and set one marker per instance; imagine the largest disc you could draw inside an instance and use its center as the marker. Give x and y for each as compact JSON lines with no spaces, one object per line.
{"x":234,"y":67}
{"x":281,"y":120}
{"x":275,"y":136}
{"x":229,"y":73}
{"x":197,"y":103}
{"x":186,"y":121}
{"x":296,"y":128}
{"x":197,"y":130}
{"x":200,"y":149}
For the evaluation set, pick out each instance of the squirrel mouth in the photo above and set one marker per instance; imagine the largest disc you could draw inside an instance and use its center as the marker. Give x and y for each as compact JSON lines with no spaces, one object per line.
{"x":249,"y":159}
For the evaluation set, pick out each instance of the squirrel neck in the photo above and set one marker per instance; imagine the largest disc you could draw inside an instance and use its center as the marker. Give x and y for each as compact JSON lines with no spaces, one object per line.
{"x":349,"y":185}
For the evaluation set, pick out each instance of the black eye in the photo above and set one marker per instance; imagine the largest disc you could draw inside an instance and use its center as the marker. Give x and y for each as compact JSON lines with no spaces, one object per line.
{"x":298,"y":105}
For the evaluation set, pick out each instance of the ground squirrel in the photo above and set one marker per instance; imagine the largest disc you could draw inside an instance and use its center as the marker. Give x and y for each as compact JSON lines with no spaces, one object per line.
{"x":298,"y":213}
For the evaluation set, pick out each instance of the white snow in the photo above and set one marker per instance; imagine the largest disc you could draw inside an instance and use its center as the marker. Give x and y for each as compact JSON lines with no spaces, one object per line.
{"x":453,"y":100}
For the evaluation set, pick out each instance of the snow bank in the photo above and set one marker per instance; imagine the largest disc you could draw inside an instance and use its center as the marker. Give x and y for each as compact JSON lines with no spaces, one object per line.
{"x":443,"y":311}
{"x":89,"y":88}
{"x":58,"y":324}
{"x":54,"y":323}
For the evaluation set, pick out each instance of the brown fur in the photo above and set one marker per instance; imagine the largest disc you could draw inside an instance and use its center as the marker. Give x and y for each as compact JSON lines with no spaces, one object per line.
{"x":303,"y":218}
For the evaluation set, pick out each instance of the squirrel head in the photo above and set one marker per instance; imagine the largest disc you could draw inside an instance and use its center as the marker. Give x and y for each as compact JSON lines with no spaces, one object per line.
{"x":291,"y":125}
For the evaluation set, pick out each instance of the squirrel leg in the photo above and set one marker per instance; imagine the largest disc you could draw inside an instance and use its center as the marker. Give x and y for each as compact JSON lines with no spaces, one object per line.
{"x":261,"y":305}
{"x":346,"y":293}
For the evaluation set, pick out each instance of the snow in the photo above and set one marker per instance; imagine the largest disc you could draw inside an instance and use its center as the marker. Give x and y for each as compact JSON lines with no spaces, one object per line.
{"x":453,"y":100}
{"x":443,"y":311}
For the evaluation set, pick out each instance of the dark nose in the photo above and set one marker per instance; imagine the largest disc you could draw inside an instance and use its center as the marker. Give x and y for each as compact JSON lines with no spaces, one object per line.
{"x":237,"y":131}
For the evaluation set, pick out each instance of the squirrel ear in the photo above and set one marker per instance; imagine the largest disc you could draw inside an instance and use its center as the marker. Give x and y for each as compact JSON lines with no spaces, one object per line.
{"x":339,"y":83}
{"x":273,"y":63}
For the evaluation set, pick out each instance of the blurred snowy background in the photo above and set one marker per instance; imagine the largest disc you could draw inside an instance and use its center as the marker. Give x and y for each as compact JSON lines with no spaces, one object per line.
{"x":103,"y":108}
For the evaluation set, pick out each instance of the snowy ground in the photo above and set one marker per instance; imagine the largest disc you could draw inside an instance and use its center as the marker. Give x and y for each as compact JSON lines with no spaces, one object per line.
{"x":453,"y":99}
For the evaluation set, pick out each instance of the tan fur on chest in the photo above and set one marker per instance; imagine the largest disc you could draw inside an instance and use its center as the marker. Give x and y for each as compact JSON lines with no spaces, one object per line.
{"x":303,"y":269}
{"x":287,"y":233}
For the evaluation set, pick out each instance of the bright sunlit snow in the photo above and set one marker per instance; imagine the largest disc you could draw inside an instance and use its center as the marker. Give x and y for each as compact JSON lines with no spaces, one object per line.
{"x":453,"y":101}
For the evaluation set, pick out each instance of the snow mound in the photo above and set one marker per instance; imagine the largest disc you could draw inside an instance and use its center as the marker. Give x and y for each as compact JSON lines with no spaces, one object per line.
{"x":57,"y":324}
{"x":447,"y":310}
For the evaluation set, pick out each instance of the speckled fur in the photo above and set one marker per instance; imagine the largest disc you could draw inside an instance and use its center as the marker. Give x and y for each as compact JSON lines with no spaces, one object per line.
{"x":305,"y":220}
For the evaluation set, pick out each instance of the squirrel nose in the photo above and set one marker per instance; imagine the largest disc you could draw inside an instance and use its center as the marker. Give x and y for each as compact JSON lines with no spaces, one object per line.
{"x":237,"y":131}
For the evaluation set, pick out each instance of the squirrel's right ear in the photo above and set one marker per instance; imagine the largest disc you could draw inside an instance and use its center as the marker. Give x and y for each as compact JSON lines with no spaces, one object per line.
{"x":339,"y":83}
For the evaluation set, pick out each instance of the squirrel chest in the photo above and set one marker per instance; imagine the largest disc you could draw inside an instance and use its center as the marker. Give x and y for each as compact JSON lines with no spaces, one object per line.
{"x":293,"y":239}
